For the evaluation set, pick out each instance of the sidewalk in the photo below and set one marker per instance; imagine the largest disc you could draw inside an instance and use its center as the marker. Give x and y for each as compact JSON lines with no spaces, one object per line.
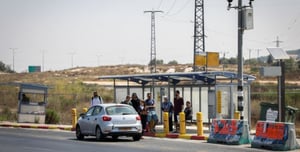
{"x":191,"y":133}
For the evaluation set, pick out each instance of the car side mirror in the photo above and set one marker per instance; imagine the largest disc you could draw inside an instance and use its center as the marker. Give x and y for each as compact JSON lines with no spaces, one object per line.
{"x":82,"y":115}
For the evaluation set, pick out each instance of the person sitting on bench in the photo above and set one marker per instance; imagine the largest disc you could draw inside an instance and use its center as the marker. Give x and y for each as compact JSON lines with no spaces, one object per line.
{"x":188,"y":111}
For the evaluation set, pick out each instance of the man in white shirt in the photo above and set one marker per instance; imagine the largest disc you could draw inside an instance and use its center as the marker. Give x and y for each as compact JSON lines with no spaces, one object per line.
{"x":96,"y":99}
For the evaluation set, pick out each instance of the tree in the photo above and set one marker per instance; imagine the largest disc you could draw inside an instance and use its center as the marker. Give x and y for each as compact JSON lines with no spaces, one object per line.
{"x":158,"y":62}
{"x":232,"y":60}
{"x":290,"y":65}
{"x":5,"y":68}
{"x":270,"y":59}
{"x":173,"y":62}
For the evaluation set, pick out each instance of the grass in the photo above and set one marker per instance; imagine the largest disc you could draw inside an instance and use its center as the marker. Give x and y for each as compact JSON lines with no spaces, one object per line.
{"x":7,"y":115}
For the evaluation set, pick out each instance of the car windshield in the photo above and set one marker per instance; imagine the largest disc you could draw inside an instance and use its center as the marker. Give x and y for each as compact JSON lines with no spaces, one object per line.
{"x":120,"y":110}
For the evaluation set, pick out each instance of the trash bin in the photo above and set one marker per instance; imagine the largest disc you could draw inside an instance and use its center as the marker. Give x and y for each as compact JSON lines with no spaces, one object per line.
{"x":290,"y":112}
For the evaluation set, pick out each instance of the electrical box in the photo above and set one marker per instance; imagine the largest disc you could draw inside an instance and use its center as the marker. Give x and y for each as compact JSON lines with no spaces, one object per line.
{"x":248,"y":19}
{"x":271,"y":71}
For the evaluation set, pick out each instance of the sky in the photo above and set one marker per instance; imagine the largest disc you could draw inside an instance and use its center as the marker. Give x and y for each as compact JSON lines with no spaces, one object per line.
{"x":60,"y":34}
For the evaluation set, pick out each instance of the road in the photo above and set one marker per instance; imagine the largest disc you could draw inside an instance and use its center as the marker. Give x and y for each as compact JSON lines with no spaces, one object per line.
{"x":32,"y":140}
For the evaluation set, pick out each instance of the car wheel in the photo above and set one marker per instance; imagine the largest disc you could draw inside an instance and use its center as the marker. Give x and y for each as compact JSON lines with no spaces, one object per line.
{"x":137,"y":137}
{"x":99,"y":134}
{"x":78,"y":133}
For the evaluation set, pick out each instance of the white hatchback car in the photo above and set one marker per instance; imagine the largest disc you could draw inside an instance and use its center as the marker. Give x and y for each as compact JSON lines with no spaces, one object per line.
{"x":109,"y":120}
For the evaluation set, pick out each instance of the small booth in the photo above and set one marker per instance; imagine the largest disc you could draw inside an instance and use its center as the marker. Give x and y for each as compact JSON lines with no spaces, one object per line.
{"x":32,"y":103}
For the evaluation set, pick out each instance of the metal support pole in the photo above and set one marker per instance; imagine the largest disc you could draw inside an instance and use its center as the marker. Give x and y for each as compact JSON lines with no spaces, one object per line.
{"x":281,"y":92}
{"x":240,"y":97}
{"x":241,"y":28}
{"x":199,"y":36}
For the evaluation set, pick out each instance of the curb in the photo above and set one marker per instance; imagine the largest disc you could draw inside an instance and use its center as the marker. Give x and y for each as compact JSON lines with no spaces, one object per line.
{"x":175,"y":135}
{"x":37,"y":126}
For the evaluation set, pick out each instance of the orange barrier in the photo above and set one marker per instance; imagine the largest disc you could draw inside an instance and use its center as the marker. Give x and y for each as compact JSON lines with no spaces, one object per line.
{"x":275,"y":136}
{"x":229,"y":131}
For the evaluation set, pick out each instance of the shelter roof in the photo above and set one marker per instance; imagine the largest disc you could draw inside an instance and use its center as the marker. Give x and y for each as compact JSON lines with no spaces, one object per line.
{"x":27,"y":85}
{"x":209,"y":77}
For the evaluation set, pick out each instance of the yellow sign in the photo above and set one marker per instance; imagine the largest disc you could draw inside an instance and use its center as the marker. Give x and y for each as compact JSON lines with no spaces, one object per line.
{"x":210,"y":59}
{"x":200,"y":60}
{"x":213,"y":59}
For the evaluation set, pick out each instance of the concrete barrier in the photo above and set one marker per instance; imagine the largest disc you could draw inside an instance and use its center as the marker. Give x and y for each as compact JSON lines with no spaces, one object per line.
{"x":229,"y":131}
{"x":275,"y":136}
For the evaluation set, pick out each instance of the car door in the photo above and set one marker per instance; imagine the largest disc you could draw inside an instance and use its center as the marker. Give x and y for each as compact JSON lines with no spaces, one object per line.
{"x":85,"y":122}
{"x":94,"y":119}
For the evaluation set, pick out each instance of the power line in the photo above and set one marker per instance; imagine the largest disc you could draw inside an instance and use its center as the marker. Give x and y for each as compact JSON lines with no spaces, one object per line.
{"x":181,"y":9}
{"x":172,"y":6}
{"x":161,"y":1}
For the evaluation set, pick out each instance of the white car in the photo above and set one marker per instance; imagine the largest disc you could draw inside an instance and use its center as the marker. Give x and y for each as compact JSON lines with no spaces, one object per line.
{"x":109,"y":120}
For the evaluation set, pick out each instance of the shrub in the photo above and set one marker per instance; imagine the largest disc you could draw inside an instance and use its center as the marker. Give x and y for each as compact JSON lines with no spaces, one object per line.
{"x":51,"y":117}
{"x":6,"y":114}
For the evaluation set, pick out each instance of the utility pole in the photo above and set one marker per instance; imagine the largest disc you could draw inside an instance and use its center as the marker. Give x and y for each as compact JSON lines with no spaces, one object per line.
{"x":43,"y":60}
{"x":277,"y":42}
{"x":153,"y":47}
{"x":258,"y":50}
{"x":199,"y":36}
{"x":98,"y":59}
{"x":153,"y":41}
{"x":249,"y":57}
{"x":13,"y":52}
{"x":241,"y":27}
{"x":224,"y":54}
{"x":72,"y":56}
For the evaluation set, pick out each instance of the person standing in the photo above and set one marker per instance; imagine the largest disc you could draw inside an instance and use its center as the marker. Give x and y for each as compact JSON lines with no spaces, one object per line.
{"x":25,"y":99}
{"x":135,"y":101}
{"x":127,"y":100}
{"x":178,"y":107}
{"x":96,"y":99}
{"x":167,"y":106}
{"x":143,"y":115}
{"x":152,"y":116}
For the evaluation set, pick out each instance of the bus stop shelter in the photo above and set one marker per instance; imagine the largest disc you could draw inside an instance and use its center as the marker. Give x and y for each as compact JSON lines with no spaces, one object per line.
{"x":32,"y":100}
{"x":200,"y":88}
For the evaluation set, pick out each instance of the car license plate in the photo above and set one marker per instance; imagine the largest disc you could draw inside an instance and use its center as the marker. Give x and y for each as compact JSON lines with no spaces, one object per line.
{"x":125,"y":128}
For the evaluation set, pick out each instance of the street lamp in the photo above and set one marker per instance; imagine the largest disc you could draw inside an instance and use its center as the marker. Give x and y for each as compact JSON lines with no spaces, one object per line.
{"x":245,"y":21}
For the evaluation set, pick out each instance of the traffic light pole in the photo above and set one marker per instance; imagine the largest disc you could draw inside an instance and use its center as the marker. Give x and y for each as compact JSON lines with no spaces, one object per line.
{"x":240,"y":97}
{"x":241,"y":28}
